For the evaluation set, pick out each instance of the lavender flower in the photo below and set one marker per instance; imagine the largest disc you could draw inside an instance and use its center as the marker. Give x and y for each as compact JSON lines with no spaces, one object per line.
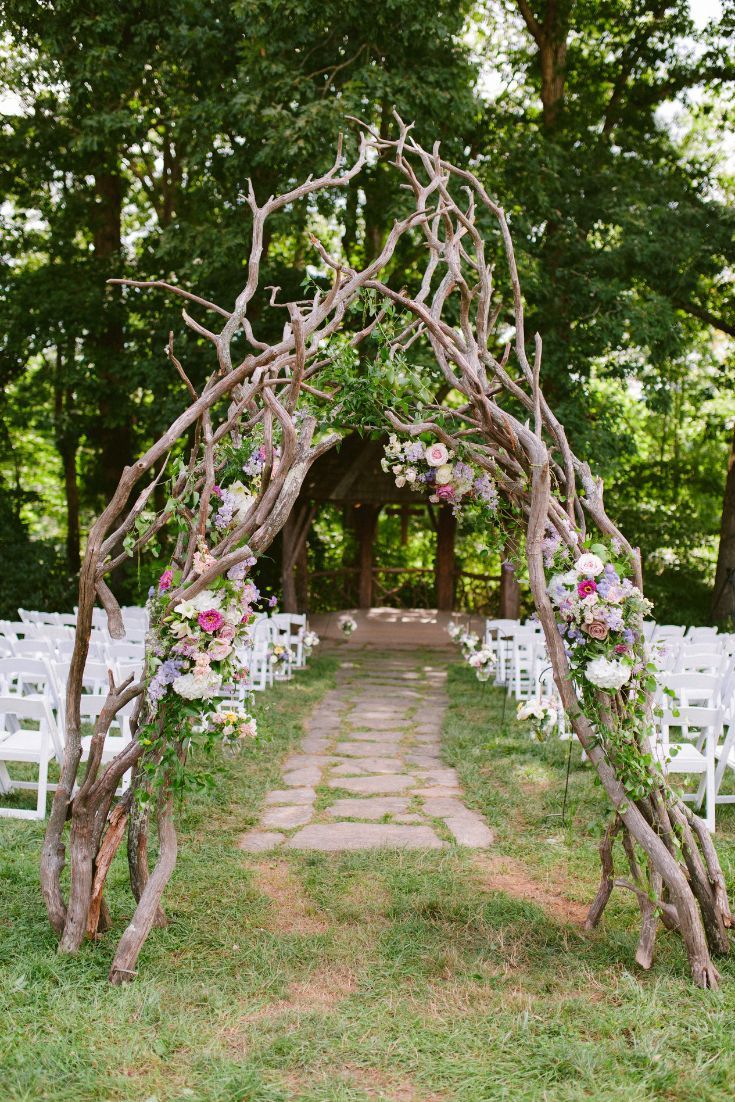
{"x":164,"y":676}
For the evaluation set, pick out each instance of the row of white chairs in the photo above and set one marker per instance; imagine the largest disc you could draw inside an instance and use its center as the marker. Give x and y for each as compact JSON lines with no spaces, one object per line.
{"x":33,"y":680}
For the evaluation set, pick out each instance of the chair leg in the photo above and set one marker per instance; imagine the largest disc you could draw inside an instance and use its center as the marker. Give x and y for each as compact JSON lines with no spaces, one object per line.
{"x":42,"y":785}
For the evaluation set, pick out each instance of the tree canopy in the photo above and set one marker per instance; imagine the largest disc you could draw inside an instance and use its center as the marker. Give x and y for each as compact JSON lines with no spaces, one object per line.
{"x":128,"y":138}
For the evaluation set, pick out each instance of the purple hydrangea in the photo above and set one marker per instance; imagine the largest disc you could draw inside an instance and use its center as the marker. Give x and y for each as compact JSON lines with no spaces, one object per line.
{"x":486,"y":490}
{"x":164,"y":676}
{"x":414,"y":452}
{"x":226,"y":511}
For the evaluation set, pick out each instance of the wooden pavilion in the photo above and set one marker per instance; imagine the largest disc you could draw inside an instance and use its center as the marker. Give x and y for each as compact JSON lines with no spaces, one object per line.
{"x":350,"y":476}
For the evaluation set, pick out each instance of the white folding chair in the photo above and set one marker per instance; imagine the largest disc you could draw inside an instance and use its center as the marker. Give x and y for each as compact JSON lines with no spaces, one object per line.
{"x":687,"y":745}
{"x":22,"y":744}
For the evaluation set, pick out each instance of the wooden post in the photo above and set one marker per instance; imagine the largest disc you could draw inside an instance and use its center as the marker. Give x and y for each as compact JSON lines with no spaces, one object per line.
{"x":288,"y":581}
{"x":366,"y":522}
{"x":510,"y":592}
{"x":294,"y":557}
{"x":445,"y":558}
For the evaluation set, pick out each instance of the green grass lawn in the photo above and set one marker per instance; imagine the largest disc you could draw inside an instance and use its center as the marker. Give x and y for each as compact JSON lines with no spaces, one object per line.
{"x":412,"y":977}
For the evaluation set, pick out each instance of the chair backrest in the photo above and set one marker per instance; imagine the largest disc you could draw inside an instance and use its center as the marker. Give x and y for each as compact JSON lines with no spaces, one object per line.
{"x":699,"y":635}
{"x":91,"y":704}
{"x":123,"y":651}
{"x":689,"y":724}
{"x":669,"y":631}
{"x":17,"y":629}
{"x":28,"y":648}
{"x":36,"y":709}
{"x":694,"y":688}
{"x":16,"y":674}
{"x":710,"y":662}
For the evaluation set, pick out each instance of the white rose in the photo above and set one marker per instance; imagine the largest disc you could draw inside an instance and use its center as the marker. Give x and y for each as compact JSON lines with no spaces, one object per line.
{"x":444,"y":474}
{"x":589,"y":564}
{"x":243,"y":501}
{"x":400,"y":481}
{"x":411,"y":474}
{"x":436,"y":455}
{"x":607,"y":674}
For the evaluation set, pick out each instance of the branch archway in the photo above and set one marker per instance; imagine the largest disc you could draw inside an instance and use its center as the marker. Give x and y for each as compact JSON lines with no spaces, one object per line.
{"x":276,"y":397}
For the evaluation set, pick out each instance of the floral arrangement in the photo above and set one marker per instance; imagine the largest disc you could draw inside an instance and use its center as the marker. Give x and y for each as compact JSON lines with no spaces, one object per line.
{"x":600,"y":614}
{"x":194,"y":647}
{"x":543,"y":716}
{"x":281,"y":657}
{"x":234,"y":728}
{"x":310,"y":640}
{"x":482,"y":661}
{"x":435,"y":468}
{"x":347,"y":625}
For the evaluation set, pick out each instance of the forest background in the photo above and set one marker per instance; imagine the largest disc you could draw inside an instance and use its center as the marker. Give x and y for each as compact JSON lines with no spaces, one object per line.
{"x":604,"y":126}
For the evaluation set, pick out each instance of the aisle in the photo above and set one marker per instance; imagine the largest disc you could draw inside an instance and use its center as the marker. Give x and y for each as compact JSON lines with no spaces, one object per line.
{"x":369,"y":772}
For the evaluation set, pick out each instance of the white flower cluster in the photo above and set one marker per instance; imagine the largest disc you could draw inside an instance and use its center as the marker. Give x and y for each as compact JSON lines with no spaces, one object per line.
{"x":347,"y":625}
{"x":543,"y":716}
{"x":482,"y":661}
{"x":608,"y":673}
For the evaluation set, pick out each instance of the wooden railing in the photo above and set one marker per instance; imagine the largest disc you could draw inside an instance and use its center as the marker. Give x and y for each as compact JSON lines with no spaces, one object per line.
{"x":401,"y":587}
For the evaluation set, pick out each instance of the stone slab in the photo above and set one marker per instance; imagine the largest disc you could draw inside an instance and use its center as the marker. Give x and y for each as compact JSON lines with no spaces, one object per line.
{"x":285,"y":817}
{"x":360,"y":749}
{"x":331,"y":837}
{"x":291,"y":796}
{"x":370,"y":765}
{"x":375,"y":807}
{"x":438,"y":790}
{"x":301,"y":777}
{"x":439,"y":807}
{"x":375,"y":785}
{"x":469,"y":829}
{"x":260,"y":841}
{"x":305,"y":761}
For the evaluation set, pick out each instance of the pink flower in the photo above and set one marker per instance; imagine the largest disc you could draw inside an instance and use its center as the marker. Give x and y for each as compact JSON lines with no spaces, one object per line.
{"x":165,"y":581}
{"x":445,"y":492}
{"x":211,"y":620}
{"x":621,"y":648}
{"x":436,"y":455}
{"x":219,"y":649}
{"x":587,"y":587}
{"x":596,"y":630}
{"x":228,"y":633}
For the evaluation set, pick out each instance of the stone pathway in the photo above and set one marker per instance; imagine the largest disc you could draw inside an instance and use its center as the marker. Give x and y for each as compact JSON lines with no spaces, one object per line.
{"x":369,"y":772}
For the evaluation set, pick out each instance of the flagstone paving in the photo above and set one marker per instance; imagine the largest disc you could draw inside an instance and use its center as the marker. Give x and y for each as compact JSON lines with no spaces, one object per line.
{"x":369,"y":771}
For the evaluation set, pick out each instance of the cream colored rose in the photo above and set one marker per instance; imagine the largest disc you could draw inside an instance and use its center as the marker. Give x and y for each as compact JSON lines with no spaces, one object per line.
{"x":444,"y":474}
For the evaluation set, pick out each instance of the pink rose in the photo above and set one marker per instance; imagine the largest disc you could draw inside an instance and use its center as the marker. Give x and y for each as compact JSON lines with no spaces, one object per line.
{"x":228,"y":633}
{"x":596,"y":630}
{"x":621,"y":648}
{"x":165,"y":581}
{"x":219,"y":649}
{"x":210,"y":621}
{"x":445,"y":492}
{"x":436,"y":455}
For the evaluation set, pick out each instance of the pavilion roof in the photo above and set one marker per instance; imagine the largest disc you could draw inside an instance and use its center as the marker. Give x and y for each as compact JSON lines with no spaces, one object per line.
{"x":351,"y":473}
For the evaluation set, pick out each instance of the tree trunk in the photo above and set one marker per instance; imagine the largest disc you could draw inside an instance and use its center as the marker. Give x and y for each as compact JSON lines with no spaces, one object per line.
{"x":723,"y":600}
{"x":66,"y":445}
{"x":445,"y":558}
{"x":115,"y":440}
{"x":366,"y":522}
